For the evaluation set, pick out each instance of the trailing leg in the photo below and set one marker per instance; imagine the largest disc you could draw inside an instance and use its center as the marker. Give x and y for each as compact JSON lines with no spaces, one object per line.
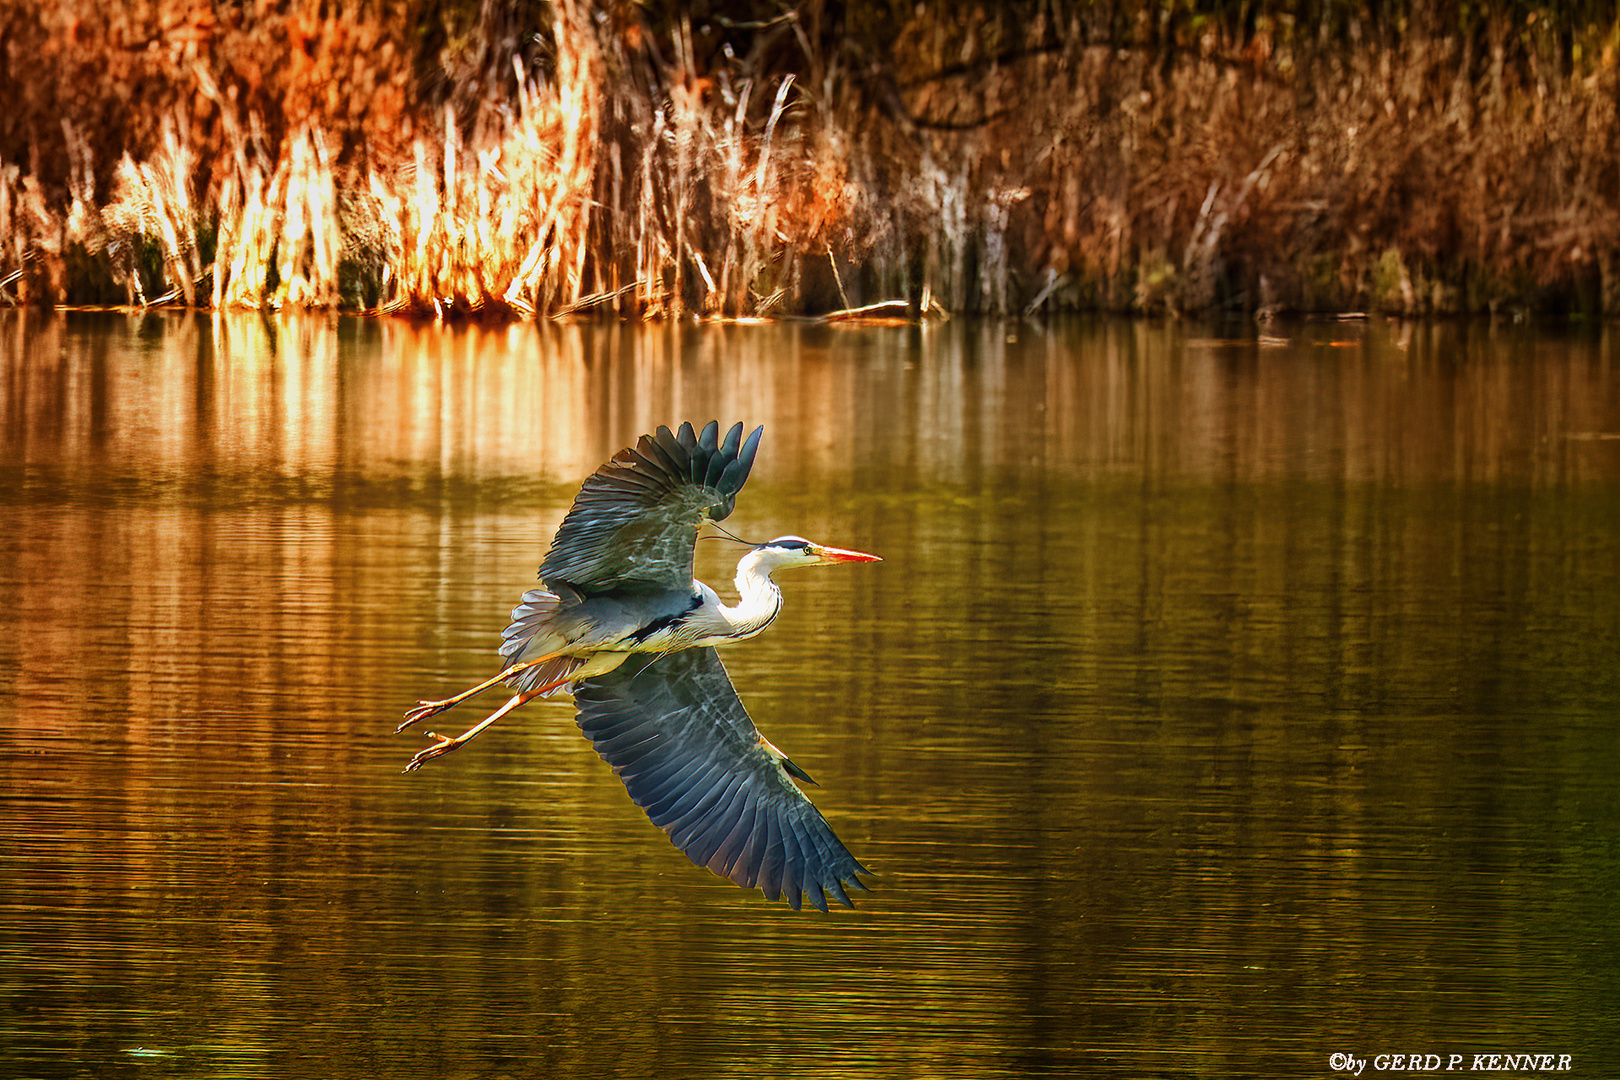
{"x":425,"y":709}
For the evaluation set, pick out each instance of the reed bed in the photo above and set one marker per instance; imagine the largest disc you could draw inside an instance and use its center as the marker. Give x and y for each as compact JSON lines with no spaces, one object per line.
{"x":599,"y":157}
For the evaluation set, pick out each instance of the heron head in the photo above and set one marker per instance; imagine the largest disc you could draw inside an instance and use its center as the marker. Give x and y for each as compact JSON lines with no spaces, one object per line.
{"x":786,"y":551}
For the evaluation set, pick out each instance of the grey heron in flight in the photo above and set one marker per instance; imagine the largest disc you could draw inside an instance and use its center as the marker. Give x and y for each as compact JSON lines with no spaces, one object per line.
{"x":617,"y":584}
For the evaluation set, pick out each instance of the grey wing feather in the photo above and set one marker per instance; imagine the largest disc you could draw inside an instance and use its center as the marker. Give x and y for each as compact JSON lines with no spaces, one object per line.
{"x":679,"y":738}
{"x":635,"y":521}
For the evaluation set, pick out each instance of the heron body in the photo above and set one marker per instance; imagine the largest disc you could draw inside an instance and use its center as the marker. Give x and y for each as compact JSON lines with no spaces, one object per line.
{"x":585,"y":636}
{"x":617,"y":583}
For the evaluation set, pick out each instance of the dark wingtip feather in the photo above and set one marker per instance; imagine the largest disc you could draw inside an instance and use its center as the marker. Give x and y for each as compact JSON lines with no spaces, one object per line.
{"x":717,"y":465}
{"x":746,"y":456}
{"x":733,"y":440}
{"x":688,"y":440}
{"x":672,"y":448}
{"x":731,"y":480}
{"x":656,"y":456}
{"x":770,"y":863}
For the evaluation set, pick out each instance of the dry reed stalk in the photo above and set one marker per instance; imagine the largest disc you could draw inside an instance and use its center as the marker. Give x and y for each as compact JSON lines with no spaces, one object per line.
{"x":308,"y":240}
{"x":21,"y":215}
{"x":248,"y":208}
{"x":152,"y":205}
{"x":498,"y":221}
{"x":694,"y":204}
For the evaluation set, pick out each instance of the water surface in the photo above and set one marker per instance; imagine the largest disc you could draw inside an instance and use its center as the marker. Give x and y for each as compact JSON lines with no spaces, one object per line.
{"x":1218,"y":706}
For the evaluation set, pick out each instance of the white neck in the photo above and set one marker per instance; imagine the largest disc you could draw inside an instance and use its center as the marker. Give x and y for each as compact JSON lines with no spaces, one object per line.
{"x":758,"y":599}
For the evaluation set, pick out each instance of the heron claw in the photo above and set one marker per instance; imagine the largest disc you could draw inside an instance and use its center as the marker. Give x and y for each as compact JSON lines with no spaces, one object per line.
{"x":444,"y":745}
{"x":423,"y":710}
{"x":438,"y":749}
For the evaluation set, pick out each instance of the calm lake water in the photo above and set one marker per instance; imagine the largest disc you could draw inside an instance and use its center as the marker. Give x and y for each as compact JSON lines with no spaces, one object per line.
{"x":1218,"y":707}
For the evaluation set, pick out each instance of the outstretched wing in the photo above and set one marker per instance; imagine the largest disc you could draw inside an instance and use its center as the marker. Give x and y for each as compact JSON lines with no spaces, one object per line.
{"x":635,"y":521}
{"x":679,"y":738}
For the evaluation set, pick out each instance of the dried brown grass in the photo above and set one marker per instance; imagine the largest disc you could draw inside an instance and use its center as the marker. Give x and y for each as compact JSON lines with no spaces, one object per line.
{"x":990,"y":165}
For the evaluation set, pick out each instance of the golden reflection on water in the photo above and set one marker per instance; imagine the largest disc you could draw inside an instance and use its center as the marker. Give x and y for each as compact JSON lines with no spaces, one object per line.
{"x":312,"y":395}
{"x":1218,"y":706}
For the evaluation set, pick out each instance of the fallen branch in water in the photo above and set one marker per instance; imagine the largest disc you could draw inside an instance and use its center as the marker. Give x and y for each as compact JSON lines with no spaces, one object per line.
{"x":594,"y":299}
{"x":844,"y":314}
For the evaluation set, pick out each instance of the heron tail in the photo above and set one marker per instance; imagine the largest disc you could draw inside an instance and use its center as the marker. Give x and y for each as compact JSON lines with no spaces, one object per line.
{"x":534,"y":627}
{"x":534,"y":633}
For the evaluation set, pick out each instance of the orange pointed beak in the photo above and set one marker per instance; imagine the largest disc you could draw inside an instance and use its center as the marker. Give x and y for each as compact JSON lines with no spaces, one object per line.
{"x":837,"y":555}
